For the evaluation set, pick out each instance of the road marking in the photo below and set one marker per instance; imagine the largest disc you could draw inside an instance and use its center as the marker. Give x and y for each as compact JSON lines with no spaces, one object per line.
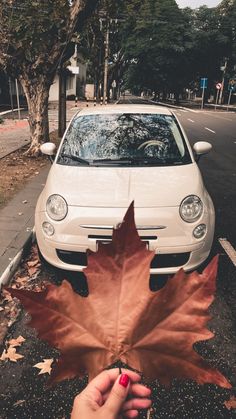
{"x":208,"y":129}
{"x":192,"y":110}
{"x":228,"y":248}
{"x":190,"y":120}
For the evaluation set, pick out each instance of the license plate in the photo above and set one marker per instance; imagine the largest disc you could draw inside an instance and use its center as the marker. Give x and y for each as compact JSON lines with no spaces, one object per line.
{"x":102,"y":242}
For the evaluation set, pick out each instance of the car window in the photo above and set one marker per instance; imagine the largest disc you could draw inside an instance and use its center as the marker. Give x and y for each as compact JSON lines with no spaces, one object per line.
{"x":126,"y":138}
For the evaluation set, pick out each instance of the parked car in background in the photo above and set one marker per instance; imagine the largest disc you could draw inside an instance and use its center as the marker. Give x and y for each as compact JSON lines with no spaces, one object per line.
{"x":110,"y":156}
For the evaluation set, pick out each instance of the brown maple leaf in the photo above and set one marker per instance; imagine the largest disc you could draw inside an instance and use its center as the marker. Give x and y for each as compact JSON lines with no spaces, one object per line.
{"x":45,"y":366}
{"x":11,"y":354}
{"x":231,"y":403}
{"x":122,"y":319}
{"x":16,"y":342}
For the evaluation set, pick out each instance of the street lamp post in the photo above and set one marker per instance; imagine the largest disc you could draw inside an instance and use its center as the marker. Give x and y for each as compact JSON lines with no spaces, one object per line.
{"x":106,"y":64}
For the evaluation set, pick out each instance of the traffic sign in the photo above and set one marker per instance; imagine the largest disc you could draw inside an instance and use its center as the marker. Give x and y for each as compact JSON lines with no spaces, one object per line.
{"x":232,"y":85}
{"x":203,"y":83}
{"x":218,"y":86}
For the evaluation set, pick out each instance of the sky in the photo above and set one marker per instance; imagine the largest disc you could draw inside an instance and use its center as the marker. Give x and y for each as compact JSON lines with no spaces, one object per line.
{"x":197,"y":3}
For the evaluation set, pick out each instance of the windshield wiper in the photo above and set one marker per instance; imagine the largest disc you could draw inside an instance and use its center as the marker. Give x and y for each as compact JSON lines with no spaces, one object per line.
{"x":120,"y":160}
{"x":76,"y":158}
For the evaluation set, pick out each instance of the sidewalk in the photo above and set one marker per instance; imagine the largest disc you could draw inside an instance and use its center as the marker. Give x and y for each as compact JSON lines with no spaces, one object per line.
{"x":16,"y":224}
{"x":17,"y":217}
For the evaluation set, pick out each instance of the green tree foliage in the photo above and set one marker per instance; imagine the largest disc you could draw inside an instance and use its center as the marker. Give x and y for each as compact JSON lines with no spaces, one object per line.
{"x":157,"y":46}
{"x":168,"y":48}
{"x":34,"y":40}
{"x":109,"y":13}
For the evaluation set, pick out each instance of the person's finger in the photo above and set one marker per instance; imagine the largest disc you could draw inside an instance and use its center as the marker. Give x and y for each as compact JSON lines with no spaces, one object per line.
{"x":130,"y":414}
{"x":136,"y":404}
{"x":106,"y":379}
{"x":139,"y":390}
{"x":117,"y":396}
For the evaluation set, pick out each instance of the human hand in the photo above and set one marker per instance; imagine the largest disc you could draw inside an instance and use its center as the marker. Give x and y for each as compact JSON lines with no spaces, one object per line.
{"x":105,"y":396}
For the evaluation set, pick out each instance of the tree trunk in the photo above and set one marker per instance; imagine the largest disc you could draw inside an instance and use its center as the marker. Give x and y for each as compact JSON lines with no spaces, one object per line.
{"x":37,"y":93}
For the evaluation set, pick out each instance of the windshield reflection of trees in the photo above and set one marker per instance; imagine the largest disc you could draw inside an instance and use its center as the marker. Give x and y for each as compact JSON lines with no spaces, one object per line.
{"x":115,"y":136}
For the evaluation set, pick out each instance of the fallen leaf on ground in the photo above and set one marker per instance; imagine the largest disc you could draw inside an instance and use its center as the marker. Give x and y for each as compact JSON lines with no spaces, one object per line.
{"x":231,"y":403}
{"x":11,"y":354}
{"x":33,"y":263}
{"x":122,"y":319}
{"x":7,"y":296}
{"x":33,"y":270}
{"x":16,"y":342}
{"x":19,"y":402}
{"x":21,"y":280}
{"x":45,"y":366}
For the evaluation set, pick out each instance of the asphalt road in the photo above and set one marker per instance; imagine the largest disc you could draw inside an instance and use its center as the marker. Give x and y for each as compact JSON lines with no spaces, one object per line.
{"x":23,"y":393}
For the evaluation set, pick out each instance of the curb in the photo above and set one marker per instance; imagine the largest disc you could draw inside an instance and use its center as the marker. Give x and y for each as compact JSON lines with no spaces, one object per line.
{"x":15,"y":262}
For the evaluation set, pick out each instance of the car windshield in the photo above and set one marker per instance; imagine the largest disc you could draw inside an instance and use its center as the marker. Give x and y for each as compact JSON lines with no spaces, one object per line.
{"x":124,"y":139}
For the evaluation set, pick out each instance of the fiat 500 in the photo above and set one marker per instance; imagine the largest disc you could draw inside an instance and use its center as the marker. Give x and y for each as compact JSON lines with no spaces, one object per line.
{"x":113,"y":155}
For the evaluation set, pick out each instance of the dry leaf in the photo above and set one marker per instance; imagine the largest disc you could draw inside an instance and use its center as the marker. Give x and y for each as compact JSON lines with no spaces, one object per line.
{"x":21,"y":280}
{"x":16,"y":342}
{"x":10,"y":354}
{"x":33,"y":263}
{"x":33,"y":270}
{"x":231,"y":403}
{"x":19,"y":402}
{"x":7,"y":296}
{"x":122,"y":319}
{"x":45,"y":366}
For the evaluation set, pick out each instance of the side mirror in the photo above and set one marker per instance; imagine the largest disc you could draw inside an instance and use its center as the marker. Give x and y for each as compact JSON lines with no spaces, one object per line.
{"x":200,"y":148}
{"x":49,"y":149}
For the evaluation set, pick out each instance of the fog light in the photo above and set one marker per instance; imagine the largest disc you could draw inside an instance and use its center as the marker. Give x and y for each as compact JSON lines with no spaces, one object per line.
{"x":48,"y":229}
{"x":199,"y":231}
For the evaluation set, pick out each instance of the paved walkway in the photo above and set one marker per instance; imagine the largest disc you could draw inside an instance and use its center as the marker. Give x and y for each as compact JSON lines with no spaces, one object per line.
{"x":15,"y":133}
{"x":17,"y":217}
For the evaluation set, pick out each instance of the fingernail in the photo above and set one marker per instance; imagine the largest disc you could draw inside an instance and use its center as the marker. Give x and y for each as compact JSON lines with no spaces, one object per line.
{"x":124,"y":380}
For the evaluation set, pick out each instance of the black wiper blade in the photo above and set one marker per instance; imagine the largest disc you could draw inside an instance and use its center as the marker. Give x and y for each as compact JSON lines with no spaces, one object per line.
{"x":120,"y":160}
{"x":76,"y":158}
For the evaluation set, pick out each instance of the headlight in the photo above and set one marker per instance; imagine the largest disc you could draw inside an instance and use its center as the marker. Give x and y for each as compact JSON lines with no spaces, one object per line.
{"x":56,"y":207}
{"x":191,"y":208}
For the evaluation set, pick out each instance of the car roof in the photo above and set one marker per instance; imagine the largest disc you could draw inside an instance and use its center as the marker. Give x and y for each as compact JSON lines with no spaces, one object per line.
{"x":130,"y":108}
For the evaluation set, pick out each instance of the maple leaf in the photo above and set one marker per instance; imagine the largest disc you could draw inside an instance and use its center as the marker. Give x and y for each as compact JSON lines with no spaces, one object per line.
{"x":11,"y":354}
{"x":45,"y":366}
{"x":16,"y":342}
{"x":122,"y":319}
{"x":231,"y":403}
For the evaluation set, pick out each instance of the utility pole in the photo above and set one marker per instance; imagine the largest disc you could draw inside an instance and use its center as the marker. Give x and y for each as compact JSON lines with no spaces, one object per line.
{"x":17,"y":98}
{"x":109,"y":23}
{"x":62,"y":102}
{"x":106,"y":64}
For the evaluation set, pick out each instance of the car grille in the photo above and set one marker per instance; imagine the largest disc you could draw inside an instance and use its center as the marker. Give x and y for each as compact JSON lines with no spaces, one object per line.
{"x":101,"y":238}
{"x":159,"y":261}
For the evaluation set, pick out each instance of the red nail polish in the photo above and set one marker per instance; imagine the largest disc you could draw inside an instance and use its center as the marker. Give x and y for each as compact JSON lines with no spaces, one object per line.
{"x":124,"y":380}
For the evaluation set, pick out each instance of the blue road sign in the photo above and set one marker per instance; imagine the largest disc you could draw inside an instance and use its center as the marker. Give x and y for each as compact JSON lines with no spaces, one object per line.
{"x":203,"y":83}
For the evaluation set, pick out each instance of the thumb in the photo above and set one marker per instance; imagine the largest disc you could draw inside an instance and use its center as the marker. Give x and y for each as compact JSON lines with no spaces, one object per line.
{"x":117,"y":395}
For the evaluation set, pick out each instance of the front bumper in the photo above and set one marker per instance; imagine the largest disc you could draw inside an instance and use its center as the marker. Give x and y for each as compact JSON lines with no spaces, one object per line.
{"x":166,"y":233}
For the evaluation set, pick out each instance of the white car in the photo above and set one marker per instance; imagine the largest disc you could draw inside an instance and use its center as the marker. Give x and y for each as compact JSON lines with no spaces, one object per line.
{"x":110,"y":156}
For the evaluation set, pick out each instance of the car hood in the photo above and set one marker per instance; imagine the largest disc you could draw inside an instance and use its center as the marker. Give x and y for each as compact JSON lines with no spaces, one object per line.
{"x":118,"y":187}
